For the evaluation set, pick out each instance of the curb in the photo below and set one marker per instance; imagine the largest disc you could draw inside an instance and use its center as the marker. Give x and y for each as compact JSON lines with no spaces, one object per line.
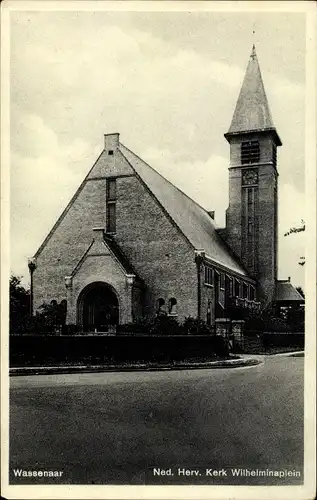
{"x":272,"y":355}
{"x":292,"y":353}
{"x":47,"y":370}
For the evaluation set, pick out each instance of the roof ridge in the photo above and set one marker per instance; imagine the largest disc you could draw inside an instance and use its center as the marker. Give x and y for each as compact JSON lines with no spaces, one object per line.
{"x":171,"y":183}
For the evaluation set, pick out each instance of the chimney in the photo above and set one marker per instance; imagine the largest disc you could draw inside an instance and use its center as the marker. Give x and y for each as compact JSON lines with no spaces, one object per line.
{"x":289,"y":279}
{"x":98,"y":233}
{"x":111,"y":143}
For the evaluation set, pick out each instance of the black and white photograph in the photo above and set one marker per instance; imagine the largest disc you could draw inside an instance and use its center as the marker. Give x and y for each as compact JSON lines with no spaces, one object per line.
{"x":158,"y":272}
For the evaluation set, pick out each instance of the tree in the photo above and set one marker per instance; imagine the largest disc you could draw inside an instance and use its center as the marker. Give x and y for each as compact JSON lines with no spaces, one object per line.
{"x":49,"y":317}
{"x":19,"y":305}
{"x":297,"y":229}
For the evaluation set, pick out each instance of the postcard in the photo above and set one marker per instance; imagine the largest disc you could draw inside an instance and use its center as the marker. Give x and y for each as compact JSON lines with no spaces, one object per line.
{"x":159,"y":249}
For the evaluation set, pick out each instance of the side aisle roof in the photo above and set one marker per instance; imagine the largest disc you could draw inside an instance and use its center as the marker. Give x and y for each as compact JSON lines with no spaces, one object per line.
{"x":192,"y":219}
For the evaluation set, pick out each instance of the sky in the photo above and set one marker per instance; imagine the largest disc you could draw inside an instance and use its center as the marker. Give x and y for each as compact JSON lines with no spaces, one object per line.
{"x":168,"y":82}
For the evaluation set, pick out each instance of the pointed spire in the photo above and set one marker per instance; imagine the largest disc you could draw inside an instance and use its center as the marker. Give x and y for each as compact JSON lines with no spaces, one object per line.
{"x":252,"y":110}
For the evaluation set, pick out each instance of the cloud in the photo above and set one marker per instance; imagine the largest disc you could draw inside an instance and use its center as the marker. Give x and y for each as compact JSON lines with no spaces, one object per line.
{"x":43,"y":177}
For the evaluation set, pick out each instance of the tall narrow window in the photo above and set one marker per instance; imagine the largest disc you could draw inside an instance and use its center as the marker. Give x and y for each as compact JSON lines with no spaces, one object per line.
{"x":221,"y":290}
{"x":230,"y":286}
{"x":208,"y":275}
{"x":222,"y":281}
{"x":111,"y":205}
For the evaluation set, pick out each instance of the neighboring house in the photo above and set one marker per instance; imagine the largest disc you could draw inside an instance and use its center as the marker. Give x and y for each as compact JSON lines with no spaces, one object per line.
{"x":131,"y":244}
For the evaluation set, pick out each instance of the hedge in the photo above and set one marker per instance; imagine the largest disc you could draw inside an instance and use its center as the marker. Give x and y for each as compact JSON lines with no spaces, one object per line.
{"x":277,"y":339}
{"x":41,"y":350}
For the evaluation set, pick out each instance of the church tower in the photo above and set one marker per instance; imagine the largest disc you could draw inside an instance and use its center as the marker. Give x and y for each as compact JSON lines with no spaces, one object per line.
{"x":251,"y":218}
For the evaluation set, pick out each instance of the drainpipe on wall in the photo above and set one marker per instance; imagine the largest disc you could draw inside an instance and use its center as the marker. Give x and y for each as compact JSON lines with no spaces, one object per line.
{"x":199,"y":256}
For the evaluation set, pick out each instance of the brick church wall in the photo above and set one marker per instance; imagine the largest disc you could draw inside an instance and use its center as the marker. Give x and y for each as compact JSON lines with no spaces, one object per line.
{"x":159,"y":253}
{"x":68,"y":243}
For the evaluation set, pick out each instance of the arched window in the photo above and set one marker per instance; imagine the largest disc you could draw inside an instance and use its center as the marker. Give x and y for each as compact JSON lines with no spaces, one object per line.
{"x":160,"y":307}
{"x":172,"y":307}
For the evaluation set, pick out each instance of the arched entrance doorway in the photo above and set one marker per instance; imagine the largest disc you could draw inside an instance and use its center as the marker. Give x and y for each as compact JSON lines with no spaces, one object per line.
{"x":98,"y":308}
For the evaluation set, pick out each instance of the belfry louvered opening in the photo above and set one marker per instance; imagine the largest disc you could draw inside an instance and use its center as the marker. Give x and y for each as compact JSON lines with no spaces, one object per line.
{"x":250,"y":152}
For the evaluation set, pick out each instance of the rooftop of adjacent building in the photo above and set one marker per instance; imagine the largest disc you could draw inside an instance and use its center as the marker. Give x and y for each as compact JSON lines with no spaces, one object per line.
{"x":286,"y":292}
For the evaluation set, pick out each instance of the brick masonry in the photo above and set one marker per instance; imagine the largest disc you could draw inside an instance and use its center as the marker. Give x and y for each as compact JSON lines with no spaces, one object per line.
{"x":265,"y":246}
{"x":161,"y":256}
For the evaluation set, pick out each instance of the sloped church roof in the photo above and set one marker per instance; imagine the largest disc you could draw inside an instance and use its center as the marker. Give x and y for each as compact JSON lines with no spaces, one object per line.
{"x":252,"y":112}
{"x":192,"y":219}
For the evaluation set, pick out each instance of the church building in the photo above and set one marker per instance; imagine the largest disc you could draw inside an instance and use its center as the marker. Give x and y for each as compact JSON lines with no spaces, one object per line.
{"x":130,"y":244}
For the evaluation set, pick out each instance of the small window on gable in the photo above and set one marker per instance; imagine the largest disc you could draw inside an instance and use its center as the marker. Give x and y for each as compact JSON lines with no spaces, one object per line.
{"x":250,"y":152}
{"x":110,"y":152}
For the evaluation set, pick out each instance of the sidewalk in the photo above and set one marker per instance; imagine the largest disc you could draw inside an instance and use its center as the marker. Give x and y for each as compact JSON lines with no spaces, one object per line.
{"x":226,"y":363}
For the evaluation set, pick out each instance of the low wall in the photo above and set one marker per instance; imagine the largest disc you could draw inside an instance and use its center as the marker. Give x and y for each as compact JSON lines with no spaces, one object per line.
{"x":41,"y":350}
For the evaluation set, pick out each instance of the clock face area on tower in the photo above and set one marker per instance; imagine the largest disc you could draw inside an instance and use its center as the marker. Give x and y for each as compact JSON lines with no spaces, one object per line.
{"x":249,"y":177}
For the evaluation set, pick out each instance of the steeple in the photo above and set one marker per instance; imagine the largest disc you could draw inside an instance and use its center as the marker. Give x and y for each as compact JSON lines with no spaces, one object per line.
{"x":251,"y":218}
{"x":252,"y":112}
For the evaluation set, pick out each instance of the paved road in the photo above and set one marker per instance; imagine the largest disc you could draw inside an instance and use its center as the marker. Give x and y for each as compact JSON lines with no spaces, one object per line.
{"x":114,"y":427}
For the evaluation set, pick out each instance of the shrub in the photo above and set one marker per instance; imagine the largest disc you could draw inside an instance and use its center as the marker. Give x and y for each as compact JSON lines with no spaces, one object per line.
{"x":283,"y":339}
{"x":196,"y":326}
{"x":254,"y":324}
{"x":165,"y":325}
{"x":267,"y":322}
{"x":160,"y":325}
{"x":70,"y":329}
